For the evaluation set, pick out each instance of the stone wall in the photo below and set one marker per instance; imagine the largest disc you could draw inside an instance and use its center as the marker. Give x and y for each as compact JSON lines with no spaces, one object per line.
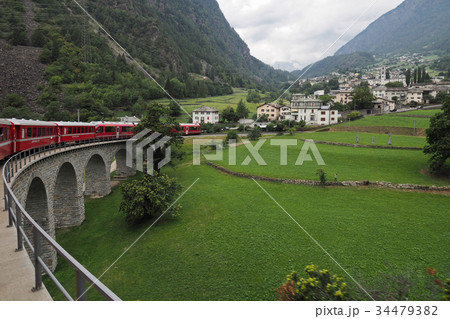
{"x":51,"y":188}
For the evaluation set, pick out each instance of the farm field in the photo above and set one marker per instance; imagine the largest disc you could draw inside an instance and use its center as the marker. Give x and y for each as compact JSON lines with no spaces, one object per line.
{"x":422,"y":112}
{"x":390,"y":120}
{"x":233,"y":242}
{"x":218,"y":102}
{"x":358,"y":164}
{"x":365,"y":138}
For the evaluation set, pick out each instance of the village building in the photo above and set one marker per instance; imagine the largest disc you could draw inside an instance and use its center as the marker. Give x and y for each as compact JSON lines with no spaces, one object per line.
{"x":343,"y":96}
{"x":272,"y":110}
{"x":205,"y":114}
{"x":312,"y":111}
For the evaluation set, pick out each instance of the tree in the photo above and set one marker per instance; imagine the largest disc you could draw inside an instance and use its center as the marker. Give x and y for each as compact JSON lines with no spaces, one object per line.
{"x":396,"y":84}
{"x":158,"y":120}
{"x":241,"y":110}
{"x":149,"y":197}
{"x":255,"y":133}
{"x":230,"y":115}
{"x":408,"y":77}
{"x":14,"y":100}
{"x":175,"y":109}
{"x":362,"y":98}
{"x":438,"y":137}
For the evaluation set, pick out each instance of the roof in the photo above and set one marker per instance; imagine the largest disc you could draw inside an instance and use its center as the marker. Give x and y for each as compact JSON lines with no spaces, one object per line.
{"x":29,"y":122}
{"x":113,"y":123}
{"x":275,"y":105}
{"x":205,"y":109}
{"x":73,"y":124}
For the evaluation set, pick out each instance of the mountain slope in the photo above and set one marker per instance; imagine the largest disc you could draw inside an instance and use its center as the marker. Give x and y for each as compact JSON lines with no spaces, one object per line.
{"x":341,"y":63}
{"x":415,"y":26}
{"x":183,"y":36}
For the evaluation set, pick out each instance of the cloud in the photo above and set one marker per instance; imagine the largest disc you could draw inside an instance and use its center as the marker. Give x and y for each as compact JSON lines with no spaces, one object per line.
{"x":300,"y":31}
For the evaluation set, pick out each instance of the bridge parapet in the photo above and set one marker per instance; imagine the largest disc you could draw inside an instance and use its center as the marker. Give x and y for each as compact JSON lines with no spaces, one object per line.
{"x":45,"y":190}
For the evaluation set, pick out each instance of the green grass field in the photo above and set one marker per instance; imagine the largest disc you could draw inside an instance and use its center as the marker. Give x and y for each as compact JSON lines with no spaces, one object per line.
{"x":396,"y":166}
{"x":390,"y":120}
{"x":365,"y":138}
{"x":233,"y":242}
{"x":218,"y":102}
{"x":421,"y":112}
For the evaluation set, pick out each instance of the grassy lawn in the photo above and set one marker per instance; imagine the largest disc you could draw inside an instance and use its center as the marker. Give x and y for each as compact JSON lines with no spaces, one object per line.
{"x":396,"y":166}
{"x":217,"y":102}
{"x":233,"y":242}
{"x":390,"y":120}
{"x":365,"y":138}
{"x":422,"y":112}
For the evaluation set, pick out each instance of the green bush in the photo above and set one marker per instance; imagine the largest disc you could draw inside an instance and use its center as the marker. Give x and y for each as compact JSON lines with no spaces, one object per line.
{"x":319,"y":285}
{"x":149,"y":197}
{"x":354,"y":116}
{"x":231,"y":135}
{"x":255,"y":133}
{"x":322,"y":176}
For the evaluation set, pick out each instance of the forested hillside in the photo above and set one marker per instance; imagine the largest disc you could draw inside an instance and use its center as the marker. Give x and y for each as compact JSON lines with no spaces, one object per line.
{"x":341,"y":63}
{"x":184,"y":36}
{"x":187,"y":46}
{"x":415,"y":26}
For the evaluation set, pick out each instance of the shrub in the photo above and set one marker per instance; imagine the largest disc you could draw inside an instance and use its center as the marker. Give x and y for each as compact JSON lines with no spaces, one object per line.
{"x":442,"y":284}
{"x":150,"y":196}
{"x":322,"y":176}
{"x":255,"y":133}
{"x":231,"y":135}
{"x":354,"y":116}
{"x":319,"y":285}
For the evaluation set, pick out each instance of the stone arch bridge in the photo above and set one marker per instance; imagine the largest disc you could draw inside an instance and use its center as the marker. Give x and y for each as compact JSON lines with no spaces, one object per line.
{"x":52,"y":188}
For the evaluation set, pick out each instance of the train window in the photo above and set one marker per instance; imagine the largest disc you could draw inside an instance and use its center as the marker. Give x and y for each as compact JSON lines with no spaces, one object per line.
{"x":110,"y":129}
{"x":99,"y":129}
{"x":34,"y":132}
{"x":126,"y":128}
{"x":29,"y":132}
{"x":70,"y":130}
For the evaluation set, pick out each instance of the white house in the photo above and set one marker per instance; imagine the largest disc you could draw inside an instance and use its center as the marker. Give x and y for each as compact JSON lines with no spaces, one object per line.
{"x":205,"y":115}
{"x":312,"y":111}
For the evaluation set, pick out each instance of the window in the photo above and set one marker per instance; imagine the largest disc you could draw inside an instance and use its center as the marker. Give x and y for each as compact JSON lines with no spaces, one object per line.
{"x":126,"y":129}
{"x":110,"y":129}
{"x":99,"y":129}
{"x":29,"y":132}
{"x":332,"y":113}
{"x":323,"y":119}
{"x":34,"y":132}
{"x":323,"y":112}
{"x":332,"y":118}
{"x":272,"y":110}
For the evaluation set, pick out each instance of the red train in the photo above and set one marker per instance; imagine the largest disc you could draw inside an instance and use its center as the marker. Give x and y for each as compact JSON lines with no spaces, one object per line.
{"x":19,"y":135}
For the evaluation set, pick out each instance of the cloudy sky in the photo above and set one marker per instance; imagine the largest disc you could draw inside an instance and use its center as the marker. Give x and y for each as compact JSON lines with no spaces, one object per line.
{"x":300,"y":31}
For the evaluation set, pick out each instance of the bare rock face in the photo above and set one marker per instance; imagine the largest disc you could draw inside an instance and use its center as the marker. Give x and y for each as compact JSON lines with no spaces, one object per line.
{"x":21,"y":73}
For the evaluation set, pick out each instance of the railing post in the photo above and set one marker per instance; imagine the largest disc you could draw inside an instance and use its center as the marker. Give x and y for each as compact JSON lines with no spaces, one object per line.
{"x":18,"y":225}
{"x":37,"y":265}
{"x":81,"y":287}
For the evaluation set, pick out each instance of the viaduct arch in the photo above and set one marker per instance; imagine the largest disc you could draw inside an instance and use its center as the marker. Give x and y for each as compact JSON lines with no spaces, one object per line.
{"x":52,"y":188}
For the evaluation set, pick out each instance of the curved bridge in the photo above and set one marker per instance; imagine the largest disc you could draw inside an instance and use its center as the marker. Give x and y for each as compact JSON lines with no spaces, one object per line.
{"x":51,"y":188}
{"x":44,"y":189}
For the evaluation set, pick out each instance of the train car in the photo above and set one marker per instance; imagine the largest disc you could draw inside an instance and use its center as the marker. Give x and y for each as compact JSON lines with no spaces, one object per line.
{"x":6,"y":141}
{"x":190,"y":129}
{"x":113,"y":130}
{"x":74,"y":132}
{"x":27,"y":134}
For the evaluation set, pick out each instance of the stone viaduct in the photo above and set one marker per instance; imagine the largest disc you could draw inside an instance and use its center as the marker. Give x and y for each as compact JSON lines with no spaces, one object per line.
{"x":52,"y":188}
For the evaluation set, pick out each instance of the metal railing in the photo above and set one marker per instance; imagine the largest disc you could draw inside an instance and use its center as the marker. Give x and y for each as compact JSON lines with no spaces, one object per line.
{"x":17,"y":214}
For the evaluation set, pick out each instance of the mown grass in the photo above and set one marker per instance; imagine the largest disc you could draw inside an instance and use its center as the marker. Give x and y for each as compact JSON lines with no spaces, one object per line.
{"x":390,"y":120}
{"x":366,"y":138}
{"x":358,"y":164}
{"x":217,"y":102}
{"x":233,"y":242}
{"x":422,"y":112}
